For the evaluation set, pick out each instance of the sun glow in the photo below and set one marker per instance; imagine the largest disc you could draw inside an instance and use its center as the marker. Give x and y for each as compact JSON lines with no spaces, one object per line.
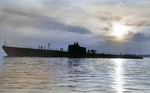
{"x":119,"y":31}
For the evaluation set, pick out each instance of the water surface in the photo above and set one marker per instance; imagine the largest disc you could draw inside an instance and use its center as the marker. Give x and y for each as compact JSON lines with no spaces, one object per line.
{"x":69,"y":75}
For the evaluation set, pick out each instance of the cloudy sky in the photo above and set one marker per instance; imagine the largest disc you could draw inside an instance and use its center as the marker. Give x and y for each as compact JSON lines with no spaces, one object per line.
{"x":117,"y":25}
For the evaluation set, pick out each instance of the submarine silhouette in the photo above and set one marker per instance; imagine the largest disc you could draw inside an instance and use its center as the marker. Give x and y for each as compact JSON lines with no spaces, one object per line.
{"x":74,"y":51}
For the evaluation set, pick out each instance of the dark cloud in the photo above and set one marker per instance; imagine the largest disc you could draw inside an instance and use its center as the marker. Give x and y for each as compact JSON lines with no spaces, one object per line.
{"x":136,"y":23}
{"x":20,"y":17}
{"x":140,"y":37}
{"x":109,"y":16}
{"x":55,"y":2}
{"x":49,"y":24}
{"x":18,"y":11}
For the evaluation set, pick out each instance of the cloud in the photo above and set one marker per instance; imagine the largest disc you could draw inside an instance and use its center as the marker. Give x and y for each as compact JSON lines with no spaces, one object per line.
{"x":23,"y":18}
{"x":21,"y":24}
{"x":134,"y":17}
{"x":140,"y":37}
{"x":91,"y":20}
{"x":97,"y":19}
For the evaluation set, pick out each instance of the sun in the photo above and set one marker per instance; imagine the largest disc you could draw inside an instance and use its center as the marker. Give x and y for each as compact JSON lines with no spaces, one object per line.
{"x":119,"y":31}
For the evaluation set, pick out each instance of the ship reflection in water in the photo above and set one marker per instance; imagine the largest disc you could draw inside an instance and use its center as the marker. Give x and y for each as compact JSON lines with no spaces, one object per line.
{"x":70,"y":75}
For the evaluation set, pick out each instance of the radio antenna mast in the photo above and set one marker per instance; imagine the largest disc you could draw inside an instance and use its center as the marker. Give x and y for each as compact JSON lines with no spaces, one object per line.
{"x":48,"y":45}
{"x":5,"y":42}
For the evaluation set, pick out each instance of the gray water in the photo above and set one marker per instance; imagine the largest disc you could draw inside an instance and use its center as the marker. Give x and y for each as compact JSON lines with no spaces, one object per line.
{"x":69,"y":75}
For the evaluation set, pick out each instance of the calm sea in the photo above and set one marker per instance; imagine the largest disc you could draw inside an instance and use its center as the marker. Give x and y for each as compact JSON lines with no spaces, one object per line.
{"x":72,"y":75}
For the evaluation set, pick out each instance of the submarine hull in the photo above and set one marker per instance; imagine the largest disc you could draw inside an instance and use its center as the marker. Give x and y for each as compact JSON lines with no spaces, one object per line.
{"x":28,"y":52}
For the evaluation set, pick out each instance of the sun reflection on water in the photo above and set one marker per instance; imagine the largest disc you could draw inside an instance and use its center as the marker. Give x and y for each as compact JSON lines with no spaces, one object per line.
{"x":119,"y":75}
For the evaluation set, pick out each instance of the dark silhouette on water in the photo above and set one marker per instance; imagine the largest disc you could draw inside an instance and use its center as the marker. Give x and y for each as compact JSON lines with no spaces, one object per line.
{"x":74,"y":51}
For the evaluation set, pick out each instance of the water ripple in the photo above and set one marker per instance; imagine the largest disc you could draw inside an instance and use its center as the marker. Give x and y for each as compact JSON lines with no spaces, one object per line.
{"x":68,"y":75}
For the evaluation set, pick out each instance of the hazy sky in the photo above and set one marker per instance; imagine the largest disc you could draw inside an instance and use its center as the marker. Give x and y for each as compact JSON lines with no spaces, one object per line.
{"x":117,"y":25}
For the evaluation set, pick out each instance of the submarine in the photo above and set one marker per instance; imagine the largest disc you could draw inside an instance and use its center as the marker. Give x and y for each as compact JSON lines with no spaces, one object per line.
{"x":74,"y":51}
